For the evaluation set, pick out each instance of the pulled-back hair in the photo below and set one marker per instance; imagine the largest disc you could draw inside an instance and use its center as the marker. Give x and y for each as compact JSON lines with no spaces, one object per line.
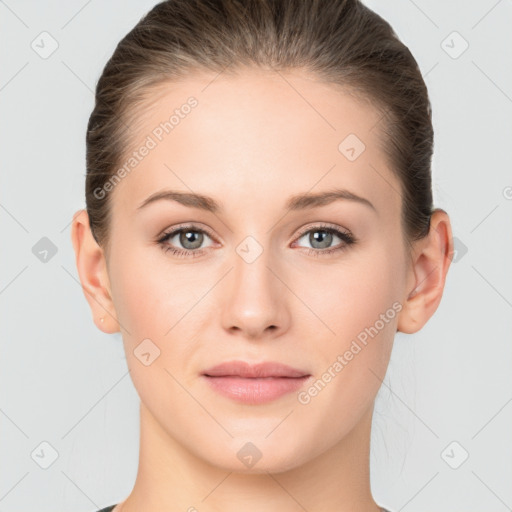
{"x":342,"y":42}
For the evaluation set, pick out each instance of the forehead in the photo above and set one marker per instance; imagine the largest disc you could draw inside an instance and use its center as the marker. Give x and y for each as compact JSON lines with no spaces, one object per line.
{"x":257,"y":133}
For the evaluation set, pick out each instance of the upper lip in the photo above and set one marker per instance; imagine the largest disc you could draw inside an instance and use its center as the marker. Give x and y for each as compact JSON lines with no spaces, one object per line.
{"x":247,"y":370}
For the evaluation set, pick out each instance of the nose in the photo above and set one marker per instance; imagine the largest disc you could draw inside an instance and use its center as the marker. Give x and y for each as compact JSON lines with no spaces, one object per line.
{"x":255,"y":301}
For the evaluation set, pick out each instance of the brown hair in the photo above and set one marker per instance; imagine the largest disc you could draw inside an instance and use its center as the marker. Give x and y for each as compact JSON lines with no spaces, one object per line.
{"x":340,"y":41}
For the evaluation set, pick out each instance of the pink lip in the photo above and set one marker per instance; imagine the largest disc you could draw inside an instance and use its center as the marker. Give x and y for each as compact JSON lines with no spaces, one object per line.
{"x":254,"y":384}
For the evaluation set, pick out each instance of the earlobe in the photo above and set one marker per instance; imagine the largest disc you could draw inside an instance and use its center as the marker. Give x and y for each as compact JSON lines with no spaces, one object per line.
{"x":92,"y":271}
{"x":430,"y":264}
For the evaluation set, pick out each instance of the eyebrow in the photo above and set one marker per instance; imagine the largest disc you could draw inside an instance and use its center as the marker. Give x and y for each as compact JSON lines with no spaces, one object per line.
{"x":297,"y":202}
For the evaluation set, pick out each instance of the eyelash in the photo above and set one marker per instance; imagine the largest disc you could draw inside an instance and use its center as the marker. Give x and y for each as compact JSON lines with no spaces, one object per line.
{"x":346,"y":236}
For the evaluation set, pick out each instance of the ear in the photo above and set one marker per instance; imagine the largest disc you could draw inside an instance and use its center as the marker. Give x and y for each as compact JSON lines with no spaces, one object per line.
{"x":92,"y":270}
{"x":431,"y":258}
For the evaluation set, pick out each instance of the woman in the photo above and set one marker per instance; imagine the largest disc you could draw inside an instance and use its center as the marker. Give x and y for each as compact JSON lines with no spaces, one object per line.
{"x":259,"y":225}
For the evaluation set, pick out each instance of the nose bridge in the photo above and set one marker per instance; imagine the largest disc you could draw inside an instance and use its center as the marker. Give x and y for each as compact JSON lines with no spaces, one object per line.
{"x":251,"y":272}
{"x":253,"y":303}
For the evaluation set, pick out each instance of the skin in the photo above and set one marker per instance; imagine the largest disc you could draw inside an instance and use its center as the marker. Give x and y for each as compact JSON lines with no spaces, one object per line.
{"x":251,"y":143}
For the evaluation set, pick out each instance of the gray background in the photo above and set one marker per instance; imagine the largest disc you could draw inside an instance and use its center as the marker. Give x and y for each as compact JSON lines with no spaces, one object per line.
{"x":66,"y":383}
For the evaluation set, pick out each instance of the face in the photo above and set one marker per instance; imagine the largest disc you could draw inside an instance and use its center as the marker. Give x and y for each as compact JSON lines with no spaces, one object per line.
{"x":266,"y":276}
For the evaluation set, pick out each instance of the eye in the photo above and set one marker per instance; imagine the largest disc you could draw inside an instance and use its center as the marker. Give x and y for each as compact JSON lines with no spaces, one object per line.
{"x":190,"y":237}
{"x":321,"y":237}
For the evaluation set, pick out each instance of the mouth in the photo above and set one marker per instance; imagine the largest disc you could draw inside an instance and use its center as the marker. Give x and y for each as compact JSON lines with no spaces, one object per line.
{"x":254,"y":384}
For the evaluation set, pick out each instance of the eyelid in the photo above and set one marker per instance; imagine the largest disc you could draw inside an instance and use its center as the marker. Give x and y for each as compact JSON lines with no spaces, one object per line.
{"x":323,"y":225}
{"x":198,"y":227}
{"x":192,"y":226}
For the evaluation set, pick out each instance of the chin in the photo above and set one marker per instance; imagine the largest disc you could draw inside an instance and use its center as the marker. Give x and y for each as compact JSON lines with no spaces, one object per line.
{"x":256,"y":455}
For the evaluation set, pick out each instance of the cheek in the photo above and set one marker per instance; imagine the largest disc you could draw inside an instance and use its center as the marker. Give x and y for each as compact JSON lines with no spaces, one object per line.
{"x":137,"y":300}
{"x":152,"y":300}
{"x":161,"y":302}
{"x":357,"y":303}
{"x":151,"y":294}
{"x":347,"y":298}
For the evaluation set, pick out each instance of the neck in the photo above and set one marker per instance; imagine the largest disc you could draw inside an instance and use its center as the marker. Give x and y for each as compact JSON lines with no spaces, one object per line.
{"x":171,"y":478}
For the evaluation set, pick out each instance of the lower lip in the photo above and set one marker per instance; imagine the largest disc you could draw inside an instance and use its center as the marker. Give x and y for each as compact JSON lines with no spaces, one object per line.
{"x":257,"y":390}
